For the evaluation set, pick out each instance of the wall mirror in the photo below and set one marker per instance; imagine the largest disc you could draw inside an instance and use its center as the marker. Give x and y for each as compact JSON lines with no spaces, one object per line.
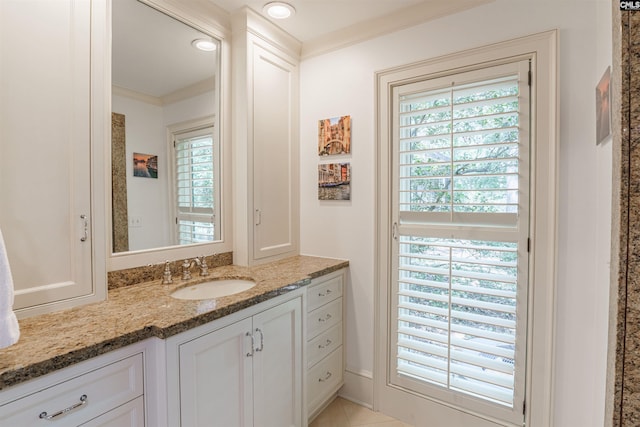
{"x":166,"y":149}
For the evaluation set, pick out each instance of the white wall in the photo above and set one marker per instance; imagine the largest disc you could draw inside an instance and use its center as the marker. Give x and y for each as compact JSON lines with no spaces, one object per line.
{"x":342,"y":83}
{"x":146,"y":132}
{"x":147,"y":198}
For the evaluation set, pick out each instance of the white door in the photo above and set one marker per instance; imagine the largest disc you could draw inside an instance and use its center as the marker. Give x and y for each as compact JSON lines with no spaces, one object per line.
{"x":277,"y":374}
{"x":215,"y":378}
{"x":45,"y":159}
{"x":458,"y":283}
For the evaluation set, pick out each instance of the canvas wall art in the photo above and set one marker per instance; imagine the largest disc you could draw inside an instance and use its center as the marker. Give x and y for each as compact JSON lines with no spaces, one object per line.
{"x":145,"y":165}
{"x":334,"y":181}
{"x":334,"y":136}
{"x":603,"y":107}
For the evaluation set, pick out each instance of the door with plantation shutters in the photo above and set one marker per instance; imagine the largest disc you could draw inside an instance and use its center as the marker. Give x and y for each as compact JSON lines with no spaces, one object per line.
{"x":460,"y":225}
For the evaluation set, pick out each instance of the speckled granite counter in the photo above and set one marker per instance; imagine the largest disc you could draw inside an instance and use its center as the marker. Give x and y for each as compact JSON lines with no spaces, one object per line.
{"x":133,"y":313}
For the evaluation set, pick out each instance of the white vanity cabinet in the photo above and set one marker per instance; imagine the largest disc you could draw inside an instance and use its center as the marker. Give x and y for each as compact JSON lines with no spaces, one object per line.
{"x":324,"y":347}
{"x":242,"y":370}
{"x":107,"y":390}
{"x":53,"y":95}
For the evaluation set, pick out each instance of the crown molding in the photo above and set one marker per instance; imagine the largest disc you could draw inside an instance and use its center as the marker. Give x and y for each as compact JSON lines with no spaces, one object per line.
{"x":401,"y":19}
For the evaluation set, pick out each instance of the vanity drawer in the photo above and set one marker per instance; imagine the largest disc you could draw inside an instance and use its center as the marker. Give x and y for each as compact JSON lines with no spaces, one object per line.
{"x":323,"y":318}
{"x":324,"y":344}
{"x":324,"y":379}
{"x":90,"y":395}
{"x":324,"y":292}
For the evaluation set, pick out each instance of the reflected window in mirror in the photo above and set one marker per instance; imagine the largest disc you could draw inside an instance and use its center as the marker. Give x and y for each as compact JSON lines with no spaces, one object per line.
{"x":196,"y":197}
{"x":165,"y":89}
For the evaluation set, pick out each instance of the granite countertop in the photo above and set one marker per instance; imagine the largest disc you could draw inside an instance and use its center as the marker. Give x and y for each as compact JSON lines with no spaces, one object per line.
{"x":133,"y":313}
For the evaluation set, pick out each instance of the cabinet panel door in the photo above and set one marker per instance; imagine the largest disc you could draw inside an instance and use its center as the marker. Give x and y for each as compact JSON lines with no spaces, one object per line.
{"x":274,"y":160}
{"x":215,"y":378}
{"x":45,"y":157}
{"x":277,"y":380}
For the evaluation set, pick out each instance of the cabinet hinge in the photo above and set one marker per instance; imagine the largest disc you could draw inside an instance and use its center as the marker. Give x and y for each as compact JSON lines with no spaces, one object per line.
{"x":528,"y":244}
{"x":529,"y":78}
{"x":524,"y":407}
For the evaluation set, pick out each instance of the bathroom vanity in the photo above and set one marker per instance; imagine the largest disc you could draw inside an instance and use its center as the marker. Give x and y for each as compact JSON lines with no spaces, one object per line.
{"x":145,"y":358}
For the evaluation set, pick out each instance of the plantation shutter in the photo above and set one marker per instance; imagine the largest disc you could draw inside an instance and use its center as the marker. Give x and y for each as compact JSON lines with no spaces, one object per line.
{"x":461,"y":145}
{"x":195,"y":187}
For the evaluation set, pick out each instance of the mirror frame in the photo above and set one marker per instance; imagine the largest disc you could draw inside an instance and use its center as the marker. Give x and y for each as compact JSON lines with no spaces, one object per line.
{"x":208,"y":22}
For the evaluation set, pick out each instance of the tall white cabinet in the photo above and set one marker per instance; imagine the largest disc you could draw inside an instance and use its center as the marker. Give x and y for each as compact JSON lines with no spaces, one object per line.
{"x":265,"y":116}
{"x":245,"y":370}
{"x":52,"y":130}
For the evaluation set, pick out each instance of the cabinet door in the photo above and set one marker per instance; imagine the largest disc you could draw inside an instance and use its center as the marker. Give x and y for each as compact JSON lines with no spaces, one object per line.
{"x":275,"y":157}
{"x":277,"y":374}
{"x":215,"y":378}
{"x":45,"y":157}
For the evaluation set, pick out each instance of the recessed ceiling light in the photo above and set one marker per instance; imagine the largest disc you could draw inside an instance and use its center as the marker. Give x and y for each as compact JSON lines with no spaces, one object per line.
{"x":204,"y":44}
{"x":279,"y":10}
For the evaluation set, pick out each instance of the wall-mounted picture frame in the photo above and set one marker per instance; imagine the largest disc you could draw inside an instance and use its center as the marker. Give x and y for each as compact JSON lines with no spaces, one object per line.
{"x":603,"y":107}
{"x":145,"y":165}
{"x":334,"y":136}
{"x":334,"y":181}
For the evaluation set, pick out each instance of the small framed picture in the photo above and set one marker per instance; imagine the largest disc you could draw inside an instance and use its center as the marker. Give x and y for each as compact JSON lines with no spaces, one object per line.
{"x":334,"y":136}
{"x":145,"y":165}
{"x":603,"y":107}
{"x":334,"y":181}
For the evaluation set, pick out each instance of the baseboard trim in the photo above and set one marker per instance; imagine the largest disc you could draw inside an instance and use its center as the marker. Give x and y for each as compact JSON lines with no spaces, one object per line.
{"x":358,"y":388}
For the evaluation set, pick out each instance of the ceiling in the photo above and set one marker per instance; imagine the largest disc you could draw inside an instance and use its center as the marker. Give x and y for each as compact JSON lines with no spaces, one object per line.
{"x":315,"y":18}
{"x":169,"y":63}
{"x":323,"y":25}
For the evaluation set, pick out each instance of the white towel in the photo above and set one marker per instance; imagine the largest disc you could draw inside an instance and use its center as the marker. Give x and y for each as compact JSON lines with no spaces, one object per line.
{"x":9,"y":328}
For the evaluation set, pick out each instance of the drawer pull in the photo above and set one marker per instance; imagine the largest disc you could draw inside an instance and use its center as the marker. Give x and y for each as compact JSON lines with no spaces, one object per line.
{"x":326,"y":377}
{"x":325,"y":345}
{"x":327,"y":292}
{"x":83,"y":401}
{"x":327,"y":317}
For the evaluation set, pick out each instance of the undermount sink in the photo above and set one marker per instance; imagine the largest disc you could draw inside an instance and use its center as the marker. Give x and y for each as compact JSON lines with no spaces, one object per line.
{"x":213,"y":289}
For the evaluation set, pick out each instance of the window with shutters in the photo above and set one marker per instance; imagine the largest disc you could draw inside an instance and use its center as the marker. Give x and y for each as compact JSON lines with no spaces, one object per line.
{"x":197,"y":186}
{"x":460,"y":225}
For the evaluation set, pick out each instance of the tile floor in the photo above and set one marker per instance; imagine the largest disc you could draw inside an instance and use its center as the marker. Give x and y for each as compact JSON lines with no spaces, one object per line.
{"x":343,"y":413}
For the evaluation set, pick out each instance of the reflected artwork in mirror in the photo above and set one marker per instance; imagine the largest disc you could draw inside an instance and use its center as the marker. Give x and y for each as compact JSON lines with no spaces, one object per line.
{"x":165,"y":81}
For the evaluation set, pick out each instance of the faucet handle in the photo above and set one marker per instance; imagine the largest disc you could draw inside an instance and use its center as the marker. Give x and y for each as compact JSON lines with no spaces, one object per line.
{"x":204,"y":268}
{"x":186,"y":272}
{"x":166,"y":277}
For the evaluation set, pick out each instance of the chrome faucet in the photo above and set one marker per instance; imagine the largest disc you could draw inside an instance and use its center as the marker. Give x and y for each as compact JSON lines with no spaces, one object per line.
{"x":200,"y":262}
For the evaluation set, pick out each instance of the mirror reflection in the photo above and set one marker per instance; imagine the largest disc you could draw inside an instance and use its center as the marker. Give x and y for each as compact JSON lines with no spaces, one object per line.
{"x":165,"y":146}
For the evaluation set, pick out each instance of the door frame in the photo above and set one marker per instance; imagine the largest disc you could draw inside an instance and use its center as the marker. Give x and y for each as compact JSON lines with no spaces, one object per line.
{"x":542,"y":49}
